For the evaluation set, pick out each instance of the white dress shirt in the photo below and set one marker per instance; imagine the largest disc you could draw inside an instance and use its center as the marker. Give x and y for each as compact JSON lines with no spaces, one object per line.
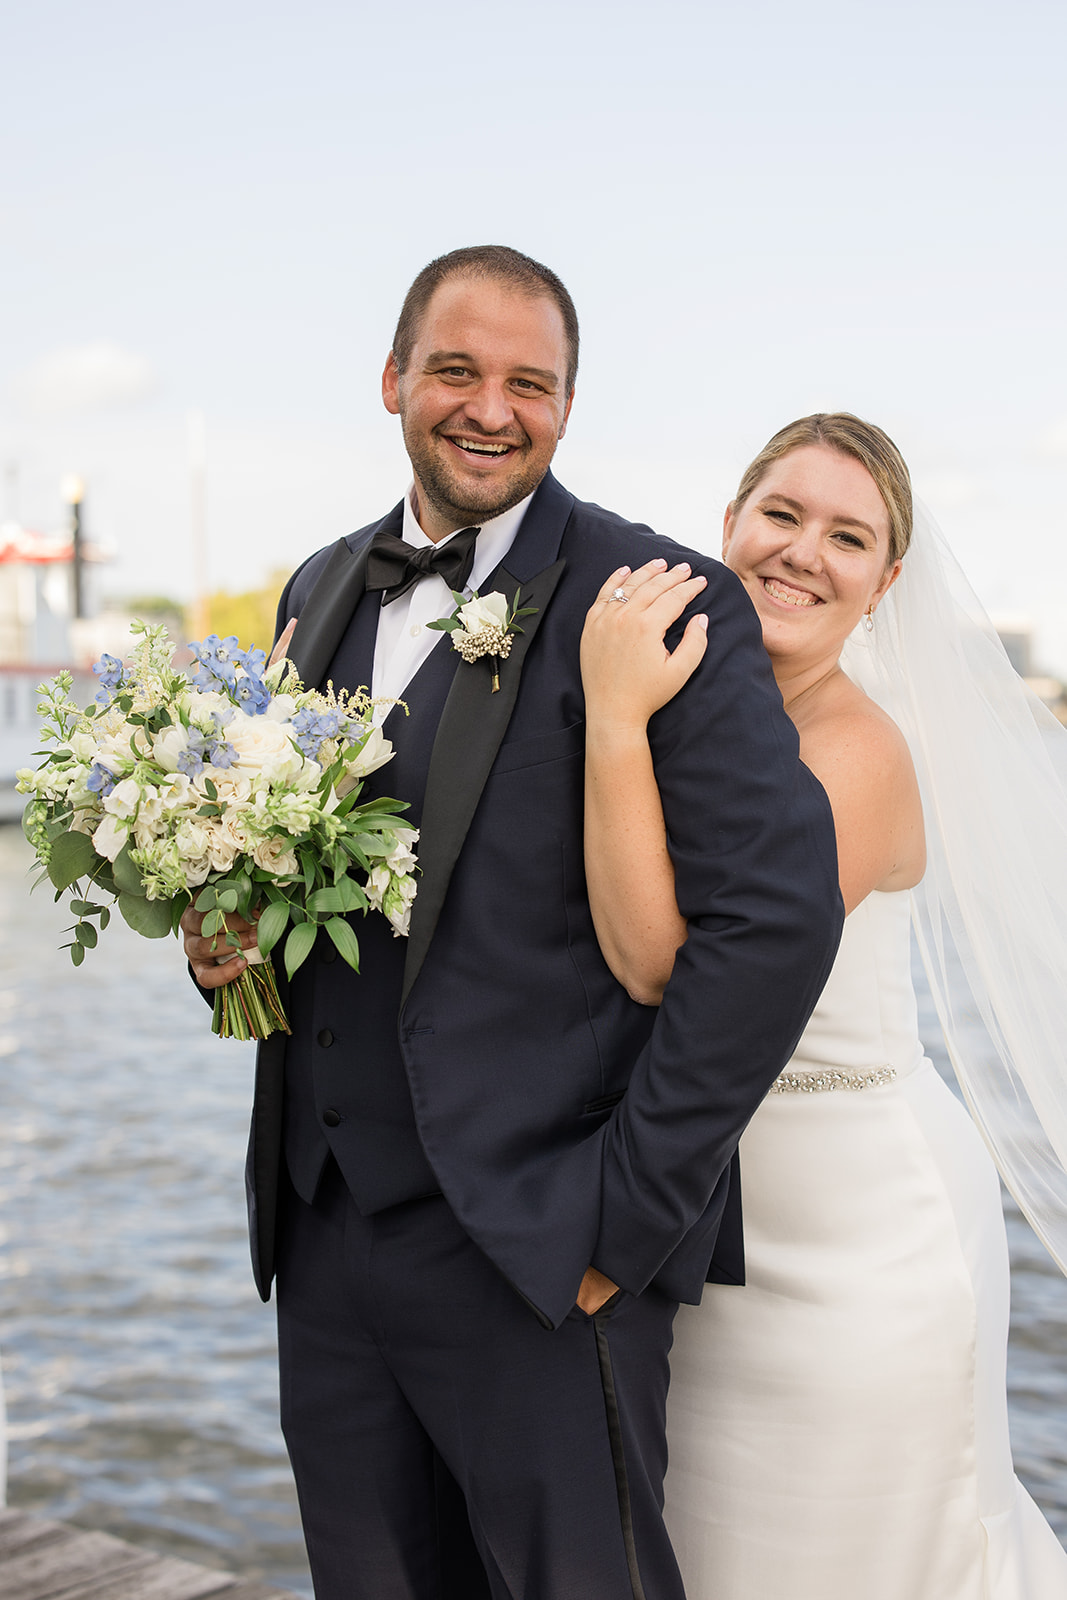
{"x":404,"y":641}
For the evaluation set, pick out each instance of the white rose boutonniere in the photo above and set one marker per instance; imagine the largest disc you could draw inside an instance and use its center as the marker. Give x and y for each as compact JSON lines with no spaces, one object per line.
{"x":484,"y":625}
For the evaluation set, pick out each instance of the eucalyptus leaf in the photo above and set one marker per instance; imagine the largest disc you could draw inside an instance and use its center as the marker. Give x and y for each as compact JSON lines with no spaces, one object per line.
{"x":72,"y":858}
{"x":150,"y":918}
{"x":77,"y":953}
{"x":127,"y":874}
{"x":86,"y":935}
{"x":298,"y":946}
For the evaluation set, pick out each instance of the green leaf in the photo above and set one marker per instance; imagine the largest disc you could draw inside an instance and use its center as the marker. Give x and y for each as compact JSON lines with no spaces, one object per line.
{"x":84,"y":908}
{"x":210,"y":789}
{"x":127,"y":874}
{"x":149,"y":918}
{"x":326,"y":901}
{"x":86,"y":934}
{"x":228,"y":900}
{"x":341,"y":933}
{"x":207,"y":899}
{"x":298,"y":946}
{"x":445,"y":624}
{"x":105,"y":918}
{"x":271,"y":925}
{"x":72,"y":857}
{"x":77,"y":953}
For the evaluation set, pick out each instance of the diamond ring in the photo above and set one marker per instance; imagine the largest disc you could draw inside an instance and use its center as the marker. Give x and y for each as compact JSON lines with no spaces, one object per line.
{"x":619,"y":594}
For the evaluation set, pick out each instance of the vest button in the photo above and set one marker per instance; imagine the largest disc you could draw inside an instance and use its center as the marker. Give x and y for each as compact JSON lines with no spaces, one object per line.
{"x":326,"y":1038}
{"x":331,"y":1117}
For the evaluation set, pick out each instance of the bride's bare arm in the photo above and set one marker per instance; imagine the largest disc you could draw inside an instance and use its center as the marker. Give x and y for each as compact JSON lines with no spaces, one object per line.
{"x":627,"y":674}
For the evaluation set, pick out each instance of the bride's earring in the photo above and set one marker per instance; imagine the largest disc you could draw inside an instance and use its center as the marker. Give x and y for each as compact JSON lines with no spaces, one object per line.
{"x":868,"y":619}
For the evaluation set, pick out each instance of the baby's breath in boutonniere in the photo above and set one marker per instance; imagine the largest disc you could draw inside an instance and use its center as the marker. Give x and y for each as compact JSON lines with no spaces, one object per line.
{"x":484,"y":625}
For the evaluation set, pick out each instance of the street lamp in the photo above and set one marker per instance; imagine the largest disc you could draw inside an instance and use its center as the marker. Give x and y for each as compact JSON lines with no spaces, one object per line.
{"x":72,"y":491}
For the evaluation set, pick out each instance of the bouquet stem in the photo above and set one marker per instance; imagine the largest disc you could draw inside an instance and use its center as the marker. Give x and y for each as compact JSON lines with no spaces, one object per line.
{"x":250,"y":1007}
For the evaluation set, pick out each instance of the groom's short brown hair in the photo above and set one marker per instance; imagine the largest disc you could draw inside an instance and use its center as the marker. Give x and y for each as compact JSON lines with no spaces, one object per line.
{"x":496,"y":263}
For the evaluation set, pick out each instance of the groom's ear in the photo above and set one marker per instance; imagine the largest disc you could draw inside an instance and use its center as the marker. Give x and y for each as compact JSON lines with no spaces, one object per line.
{"x":391,"y":386}
{"x":566,"y":415}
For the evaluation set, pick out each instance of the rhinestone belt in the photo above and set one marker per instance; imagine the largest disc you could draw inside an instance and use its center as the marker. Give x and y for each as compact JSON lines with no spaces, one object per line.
{"x":820,"y":1080}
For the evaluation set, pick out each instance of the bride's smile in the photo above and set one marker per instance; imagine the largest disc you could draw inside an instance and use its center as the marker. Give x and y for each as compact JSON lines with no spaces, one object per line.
{"x":812,"y":549}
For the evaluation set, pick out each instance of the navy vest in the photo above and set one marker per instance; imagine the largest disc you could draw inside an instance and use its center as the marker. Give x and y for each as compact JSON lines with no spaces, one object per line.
{"x":346,"y":1090}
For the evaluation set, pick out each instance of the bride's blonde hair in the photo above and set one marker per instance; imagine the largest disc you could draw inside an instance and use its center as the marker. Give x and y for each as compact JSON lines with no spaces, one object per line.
{"x":875,"y":450}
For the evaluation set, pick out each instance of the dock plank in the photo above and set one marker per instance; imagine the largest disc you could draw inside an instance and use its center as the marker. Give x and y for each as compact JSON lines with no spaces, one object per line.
{"x":44,"y":1560}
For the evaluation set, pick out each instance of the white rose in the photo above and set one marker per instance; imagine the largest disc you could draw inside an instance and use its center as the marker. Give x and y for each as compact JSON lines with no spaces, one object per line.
{"x":169,"y":745}
{"x":226,"y":841}
{"x":486,"y":611}
{"x":272,"y":856}
{"x":231,"y":787}
{"x":264,"y":748}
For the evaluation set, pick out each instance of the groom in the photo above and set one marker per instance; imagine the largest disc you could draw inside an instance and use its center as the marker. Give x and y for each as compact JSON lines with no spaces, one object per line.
{"x":482,"y":1174}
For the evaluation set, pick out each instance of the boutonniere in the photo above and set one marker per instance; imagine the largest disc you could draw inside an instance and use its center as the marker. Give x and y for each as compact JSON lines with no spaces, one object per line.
{"x":484,"y":625}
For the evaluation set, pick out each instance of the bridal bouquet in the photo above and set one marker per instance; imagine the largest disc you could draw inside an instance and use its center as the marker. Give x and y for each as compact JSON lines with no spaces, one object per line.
{"x":234,"y":790}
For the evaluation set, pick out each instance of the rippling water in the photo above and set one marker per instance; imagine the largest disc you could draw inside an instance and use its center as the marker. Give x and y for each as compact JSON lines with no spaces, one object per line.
{"x":138,"y":1360}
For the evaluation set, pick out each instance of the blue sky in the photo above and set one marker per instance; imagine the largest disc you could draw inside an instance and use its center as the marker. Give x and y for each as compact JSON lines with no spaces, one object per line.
{"x":761,"y":210}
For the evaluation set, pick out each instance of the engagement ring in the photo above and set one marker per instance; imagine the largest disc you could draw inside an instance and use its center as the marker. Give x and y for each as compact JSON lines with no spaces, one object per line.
{"x":618,"y":594}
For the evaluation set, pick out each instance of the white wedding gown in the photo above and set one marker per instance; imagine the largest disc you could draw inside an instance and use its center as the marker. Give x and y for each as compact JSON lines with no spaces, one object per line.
{"x":838,"y":1428}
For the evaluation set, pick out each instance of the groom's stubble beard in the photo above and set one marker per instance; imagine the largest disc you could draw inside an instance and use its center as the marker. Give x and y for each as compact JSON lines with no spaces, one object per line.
{"x":466,"y":503}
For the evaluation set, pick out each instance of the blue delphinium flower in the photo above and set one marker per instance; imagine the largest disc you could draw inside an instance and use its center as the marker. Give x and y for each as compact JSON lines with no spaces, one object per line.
{"x":312,"y":728}
{"x":219,"y":660}
{"x":100,"y":781}
{"x":222,"y":754}
{"x":191,"y":761}
{"x":252,"y":694}
{"x":109,"y":670}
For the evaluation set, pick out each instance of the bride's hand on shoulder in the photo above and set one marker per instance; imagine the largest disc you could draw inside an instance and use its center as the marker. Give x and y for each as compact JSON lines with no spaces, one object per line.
{"x":627,"y":671}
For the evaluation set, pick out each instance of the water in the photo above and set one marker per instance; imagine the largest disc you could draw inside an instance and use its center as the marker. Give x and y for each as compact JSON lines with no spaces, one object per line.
{"x":139,"y":1362}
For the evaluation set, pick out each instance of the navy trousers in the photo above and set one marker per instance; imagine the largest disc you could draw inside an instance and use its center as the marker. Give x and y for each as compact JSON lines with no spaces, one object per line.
{"x":405,"y":1352}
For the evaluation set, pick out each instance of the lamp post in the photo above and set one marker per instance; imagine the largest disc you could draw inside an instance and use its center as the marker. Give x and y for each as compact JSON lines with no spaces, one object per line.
{"x":197,"y":433}
{"x":72,"y":490}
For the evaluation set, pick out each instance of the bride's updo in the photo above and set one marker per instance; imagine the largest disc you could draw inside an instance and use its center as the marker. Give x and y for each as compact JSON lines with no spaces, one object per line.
{"x":850,"y":435}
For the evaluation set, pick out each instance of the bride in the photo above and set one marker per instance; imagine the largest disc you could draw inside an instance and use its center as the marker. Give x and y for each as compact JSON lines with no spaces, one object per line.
{"x":838,"y":1427}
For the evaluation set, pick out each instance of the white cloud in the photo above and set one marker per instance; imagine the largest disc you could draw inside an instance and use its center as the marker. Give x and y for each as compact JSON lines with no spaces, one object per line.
{"x":86,"y":377}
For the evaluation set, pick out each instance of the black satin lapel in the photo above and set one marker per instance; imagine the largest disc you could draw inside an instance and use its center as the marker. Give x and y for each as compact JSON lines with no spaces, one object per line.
{"x":469,"y":734}
{"x":327,"y":612}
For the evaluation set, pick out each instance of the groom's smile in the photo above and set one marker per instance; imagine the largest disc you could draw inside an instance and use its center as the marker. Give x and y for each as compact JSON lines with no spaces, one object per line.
{"x":482,"y":400}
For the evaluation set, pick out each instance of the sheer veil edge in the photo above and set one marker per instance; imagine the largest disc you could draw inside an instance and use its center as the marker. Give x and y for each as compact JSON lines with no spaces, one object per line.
{"x":992,"y":767}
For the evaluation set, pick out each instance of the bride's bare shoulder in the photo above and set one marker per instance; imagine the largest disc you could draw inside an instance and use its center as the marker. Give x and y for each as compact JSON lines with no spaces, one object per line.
{"x":862,"y":760}
{"x":845,"y":724}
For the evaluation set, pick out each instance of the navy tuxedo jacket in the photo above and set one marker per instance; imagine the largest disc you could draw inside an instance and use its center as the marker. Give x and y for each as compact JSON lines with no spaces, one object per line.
{"x":565,"y":1123}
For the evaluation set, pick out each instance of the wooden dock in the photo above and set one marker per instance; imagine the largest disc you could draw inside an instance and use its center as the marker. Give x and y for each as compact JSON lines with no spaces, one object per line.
{"x":42,"y":1560}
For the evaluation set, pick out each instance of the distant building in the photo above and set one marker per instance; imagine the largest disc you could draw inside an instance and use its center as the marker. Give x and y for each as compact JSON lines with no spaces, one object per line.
{"x":1016,"y":634}
{"x":38,"y":637}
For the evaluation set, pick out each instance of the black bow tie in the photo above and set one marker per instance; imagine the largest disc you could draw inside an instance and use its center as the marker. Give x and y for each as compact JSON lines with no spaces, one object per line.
{"x":396,"y":566}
